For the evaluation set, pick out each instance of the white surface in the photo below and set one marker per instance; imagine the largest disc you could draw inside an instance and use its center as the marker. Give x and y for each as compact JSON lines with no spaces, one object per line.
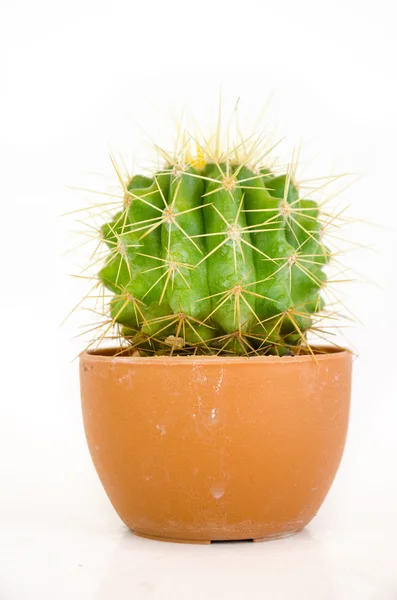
{"x":76,"y":75}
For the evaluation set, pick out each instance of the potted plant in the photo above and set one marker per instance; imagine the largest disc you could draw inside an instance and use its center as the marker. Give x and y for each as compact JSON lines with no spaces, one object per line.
{"x":214,"y":418}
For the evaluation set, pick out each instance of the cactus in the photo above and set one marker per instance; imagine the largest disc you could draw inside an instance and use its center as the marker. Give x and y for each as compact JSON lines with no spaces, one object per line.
{"x":215,"y":255}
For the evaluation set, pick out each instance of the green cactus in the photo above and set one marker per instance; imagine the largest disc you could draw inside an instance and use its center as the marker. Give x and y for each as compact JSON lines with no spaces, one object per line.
{"x":213,"y":256}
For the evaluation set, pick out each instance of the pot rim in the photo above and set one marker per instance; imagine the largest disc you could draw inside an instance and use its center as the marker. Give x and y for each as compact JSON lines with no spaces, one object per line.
{"x":105,"y":355}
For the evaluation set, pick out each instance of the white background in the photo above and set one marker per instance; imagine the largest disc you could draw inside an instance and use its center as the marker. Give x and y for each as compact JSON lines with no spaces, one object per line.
{"x":77,"y":76}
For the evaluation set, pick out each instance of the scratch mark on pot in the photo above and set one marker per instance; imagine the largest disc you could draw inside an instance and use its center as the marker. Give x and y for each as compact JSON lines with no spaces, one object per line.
{"x":214,"y":416}
{"x":199,"y":405}
{"x":217,"y":491}
{"x":217,"y":387}
{"x":96,"y":447}
{"x":162,"y":429}
{"x":128,"y":377}
{"x":198,"y":377}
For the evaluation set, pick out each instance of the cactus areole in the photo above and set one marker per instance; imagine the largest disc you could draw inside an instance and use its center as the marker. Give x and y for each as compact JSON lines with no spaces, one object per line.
{"x":215,"y":256}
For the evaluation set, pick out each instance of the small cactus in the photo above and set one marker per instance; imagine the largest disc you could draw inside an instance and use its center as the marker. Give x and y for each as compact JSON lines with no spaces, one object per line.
{"x":215,"y":254}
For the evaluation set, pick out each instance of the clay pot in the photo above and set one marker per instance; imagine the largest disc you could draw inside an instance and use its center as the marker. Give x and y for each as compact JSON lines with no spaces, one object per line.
{"x":196,"y":449}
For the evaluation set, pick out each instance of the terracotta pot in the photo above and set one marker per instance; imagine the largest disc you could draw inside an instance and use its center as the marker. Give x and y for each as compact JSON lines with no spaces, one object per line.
{"x":196,"y":449}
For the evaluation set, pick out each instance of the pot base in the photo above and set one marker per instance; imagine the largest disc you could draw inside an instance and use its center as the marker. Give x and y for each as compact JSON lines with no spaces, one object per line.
{"x":159,"y":538}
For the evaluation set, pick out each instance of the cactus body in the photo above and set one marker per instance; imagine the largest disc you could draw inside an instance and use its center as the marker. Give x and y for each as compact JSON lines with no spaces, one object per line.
{"x":216,"y":259}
